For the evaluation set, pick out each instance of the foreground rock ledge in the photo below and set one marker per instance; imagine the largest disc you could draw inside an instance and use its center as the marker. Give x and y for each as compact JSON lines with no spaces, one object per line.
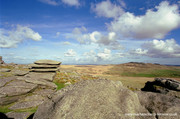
{"x":92,"y":99}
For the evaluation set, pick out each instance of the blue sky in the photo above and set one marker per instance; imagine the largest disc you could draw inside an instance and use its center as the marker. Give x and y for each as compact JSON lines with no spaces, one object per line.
{"x":90,"y":31}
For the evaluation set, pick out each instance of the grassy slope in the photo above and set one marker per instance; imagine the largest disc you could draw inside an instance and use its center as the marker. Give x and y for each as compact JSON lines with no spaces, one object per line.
{"x":144,"y":70}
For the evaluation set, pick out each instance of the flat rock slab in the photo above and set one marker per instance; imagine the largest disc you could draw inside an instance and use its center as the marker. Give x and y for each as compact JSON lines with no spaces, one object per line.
{"x":36,"y":76}
{"x":20,"y":72}
{"x":43,"y":70}
{"x":18,"y":115}
{"x":25,"y":105}
{"x":47,"y":62}
{"x":6,"y":80}
{"x":34,"y":97}
{"x":9,"y":100}
{"x":44,"y":92}
{"x":17,"y":88}
{"x":43,"y":66}
{"x":5,"y":70}
{"x":41,"y":82}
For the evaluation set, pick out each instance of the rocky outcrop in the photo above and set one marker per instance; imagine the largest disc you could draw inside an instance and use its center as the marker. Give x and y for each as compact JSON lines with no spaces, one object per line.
{"x":17,"y":88}
{"x":92,"y":99}
{"x":26,"y":90}
{"x":1,"y":60}
{"x":47,"y":62}
{"x":162,"y":85}
{"x":18,"y":115}
{"x":45,"y":66}
{"x":20,"y":72}
{"x":163,"y":106}
{"x":5,"y":70}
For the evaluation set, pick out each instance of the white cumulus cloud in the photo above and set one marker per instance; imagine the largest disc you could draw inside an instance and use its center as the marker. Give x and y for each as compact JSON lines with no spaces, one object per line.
{"x":105,"y":55}
{"x":107,"y":9}
{"x":9,"y":39}
{"x":154,"y":24}
{"x":108,"y":40}
{"x":165,"y":49}
{"x":70,"y":53}
{"x":139,"y":51}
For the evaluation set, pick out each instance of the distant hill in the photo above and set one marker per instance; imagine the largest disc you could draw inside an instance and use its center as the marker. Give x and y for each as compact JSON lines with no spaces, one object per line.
{"x":138,"y":69}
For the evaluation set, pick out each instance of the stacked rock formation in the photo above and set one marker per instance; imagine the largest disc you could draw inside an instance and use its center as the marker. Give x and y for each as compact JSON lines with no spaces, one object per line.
{"x":1,"y":61}
{"x":24,"y":90}
{"x":45,"y":66}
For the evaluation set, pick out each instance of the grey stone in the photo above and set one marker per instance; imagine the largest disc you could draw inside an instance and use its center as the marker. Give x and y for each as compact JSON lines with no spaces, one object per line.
{"x":26,"y":104}
{"x":47,"y":62}
{"x":1,"y":60}
{"x":5,"y":70}
{"x":162,"y":85}
{"x":41,"y":82}
{"x":17,"y":88}
{"x":43,"y":70}
{"x":92,"y":99}
{"x":18,"y":115}
{"x":33,"y":98}
{"x":168,"y":83}
{"x":9,"y":100}
{"x":37,"y":76}
{"x":20,"y":72}
{"x":44,"y":92}
{"x":43,"y":66}
{"x":160,"y":103}
{"x":6,"y":80}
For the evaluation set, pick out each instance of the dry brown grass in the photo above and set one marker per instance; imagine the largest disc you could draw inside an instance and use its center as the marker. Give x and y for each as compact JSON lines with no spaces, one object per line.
{"x":115,"y":71}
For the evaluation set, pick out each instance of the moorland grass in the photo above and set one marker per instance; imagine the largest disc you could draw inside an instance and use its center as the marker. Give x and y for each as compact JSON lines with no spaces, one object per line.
{"x":155,"y":73}
{"x":146,"y":70}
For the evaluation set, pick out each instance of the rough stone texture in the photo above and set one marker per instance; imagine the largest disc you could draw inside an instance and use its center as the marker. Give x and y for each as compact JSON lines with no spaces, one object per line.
{"x":20,"y":72}
{"x":41,"y":82}
{"x":5,"y":70}
{"x":18,"y":115}
{"x":6,"y":80}
{"x":162,"y":85}
{"x":26,"y":104}
{"x":168,"y":83}
{"x":160,"y":103}
{"x":45,"y":66}
{"x":44,"y":92}
{"x":45,"y":76}
{"x":17,"y":88}
{"x":9,"y":100}
{"x":47,"y":62}
{"x":92,"y":99}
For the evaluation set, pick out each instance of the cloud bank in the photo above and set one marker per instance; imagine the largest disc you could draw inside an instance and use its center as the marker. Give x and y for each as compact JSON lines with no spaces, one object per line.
{"x":159,"y":49}
{"x":107,"y":9}
{"x":108,"y":40}
{"x":154,"y":24}
{"x":9,"y":39}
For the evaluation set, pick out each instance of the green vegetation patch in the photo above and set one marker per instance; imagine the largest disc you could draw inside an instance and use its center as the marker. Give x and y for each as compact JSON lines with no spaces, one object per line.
{"x":59,"y":85}
{"x":5,"y":108}
{"x":63,"y":77}
{"x":145,"y":70}
{"x":32,"y":109}
{"x":155,"y":73}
